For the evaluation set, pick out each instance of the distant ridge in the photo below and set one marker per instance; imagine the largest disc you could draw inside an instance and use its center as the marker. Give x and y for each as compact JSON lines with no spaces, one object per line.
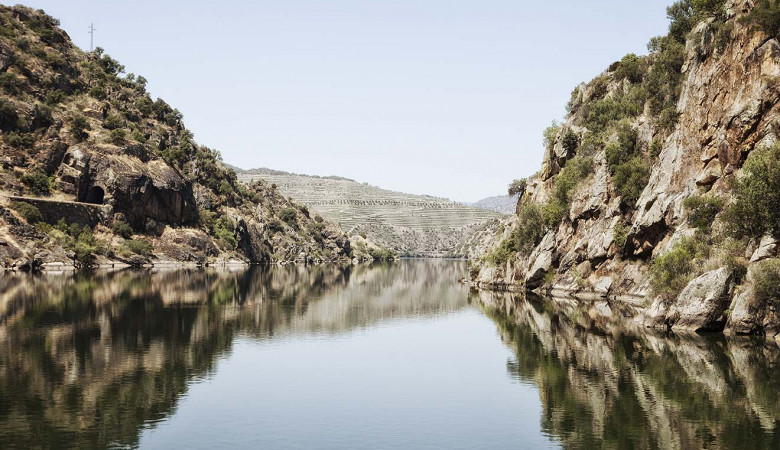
{"x":412,"y":225}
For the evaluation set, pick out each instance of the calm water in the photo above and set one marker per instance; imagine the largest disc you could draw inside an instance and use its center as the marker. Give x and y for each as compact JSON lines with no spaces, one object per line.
{"x":390,"y":356}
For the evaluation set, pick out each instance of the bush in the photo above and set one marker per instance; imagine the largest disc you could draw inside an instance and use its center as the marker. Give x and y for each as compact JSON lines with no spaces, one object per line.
{"x":702,"y":210}
{"x":549,"y":134}
{"x":381,"y":254}
{"x":630,"y":179}
{"x":275,"y":226}
{"x":766,"y":276}
{"x":55,"y":97}
{"x":118,"y":136}
{"x":575,"y":170}
{"x":138,"y":246}
{"x":122,"y":228}
{"x":620,"y":235}
{"x":765,"y":17}
{"x":225,"y":188}
{"x":38,"y":182}
{"x":630,"y":171}
{"x":19,"y":140}
{"x":755,"y":210}
{"x":98,"y":92}
{"x":517,"y":187}
{"x":29,"y":213}
{"x":631,"y":67}
{"x":526,"y":235}
{"x":9,"y":119}
{"x":670,"y":272}
{"x":289,"y":216}
{"x":79,"y":127}
{"x":570,"y":141}
{"x":113,"y":122}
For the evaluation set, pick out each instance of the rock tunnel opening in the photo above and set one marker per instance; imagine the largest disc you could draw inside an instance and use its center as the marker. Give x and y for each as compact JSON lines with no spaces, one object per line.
{"x":95,"y":195}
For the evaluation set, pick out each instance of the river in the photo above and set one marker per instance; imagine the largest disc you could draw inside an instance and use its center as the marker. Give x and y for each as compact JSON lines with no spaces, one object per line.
{"x":386,"y":356}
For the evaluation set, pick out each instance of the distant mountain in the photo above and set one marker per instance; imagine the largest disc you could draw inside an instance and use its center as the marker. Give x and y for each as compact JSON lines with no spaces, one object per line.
{"x":412,"y":225}
{"x":502,"y":204}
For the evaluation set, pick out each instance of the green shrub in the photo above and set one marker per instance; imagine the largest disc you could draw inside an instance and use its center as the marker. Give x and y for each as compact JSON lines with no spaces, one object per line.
{"x":19,"y":140}
{"x":765,"y":17}
{"x":631,"y":67}
{"x":118,"y":136}
{"x":549,"y":135}
{"x":138,"y":246}
{"x":526,"y":235}
{"x":630,"y":171}
{"x":766,"y":277}
{"x":81,"y":242}
{"x":575,"y":170}
{"x":702,"y":210}
{"x":570,"y":141}
{"x":381,"y":254}
{"x":79,"y":127}
{"x":630,"y":179}
{"x":38,"y":182}
{"x":671,"y":272}
{"x":98,"y":92}
{"x":29,"y":213}
{"x":9,"y":118}
{"x":620,"y":235}
{"x":225,"y":188}
{"x":9,"y":83}
{"x":517,"y":187}
{"x":755,"y":210}
{"x":275,"y":226}
{"x":289,"y":216}
{"x":55,"y":97}
{"x":122,"y":228}
{"x":113,"y":122}
{"x":223,"y":230}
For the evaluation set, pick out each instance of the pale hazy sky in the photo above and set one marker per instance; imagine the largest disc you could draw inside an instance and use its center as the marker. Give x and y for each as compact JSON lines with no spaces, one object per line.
{"x":441,"y":97}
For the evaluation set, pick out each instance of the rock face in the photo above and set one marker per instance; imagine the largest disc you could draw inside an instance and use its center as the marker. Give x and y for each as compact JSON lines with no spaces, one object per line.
{"x":728,"y":106}
{"x":88,"y":145}
{"x":700,"y":306}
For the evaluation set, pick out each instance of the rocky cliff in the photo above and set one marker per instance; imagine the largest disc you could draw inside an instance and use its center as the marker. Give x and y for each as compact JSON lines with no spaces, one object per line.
{"x":77,"y":130}
{"x":659,"y":186}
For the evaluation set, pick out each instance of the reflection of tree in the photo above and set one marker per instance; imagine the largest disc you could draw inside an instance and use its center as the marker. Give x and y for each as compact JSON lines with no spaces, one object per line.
{"x":85,"y":361}
{"x":602,"y":385}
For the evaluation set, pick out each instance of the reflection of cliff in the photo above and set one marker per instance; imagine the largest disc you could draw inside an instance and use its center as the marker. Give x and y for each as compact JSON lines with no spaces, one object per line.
{"x":609,"y":387}
{"x":89,"y":359}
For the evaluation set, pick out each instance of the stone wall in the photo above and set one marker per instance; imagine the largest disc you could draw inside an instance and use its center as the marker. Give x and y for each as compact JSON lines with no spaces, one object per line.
{"x":73,"y":212}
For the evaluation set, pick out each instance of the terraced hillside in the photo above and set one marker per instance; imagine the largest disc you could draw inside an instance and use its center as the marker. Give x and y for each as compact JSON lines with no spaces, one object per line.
{"x":412,"y":225}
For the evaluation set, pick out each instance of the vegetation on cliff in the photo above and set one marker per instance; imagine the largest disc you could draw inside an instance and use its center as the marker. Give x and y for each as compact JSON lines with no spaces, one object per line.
{"x":70,"y":117}
{"x":662,"y":181}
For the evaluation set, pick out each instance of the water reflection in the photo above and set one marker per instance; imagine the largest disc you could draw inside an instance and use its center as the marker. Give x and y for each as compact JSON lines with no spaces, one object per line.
{"x":85,"y":361}
{"x":90,"y":361}
{"x":603,"y":384}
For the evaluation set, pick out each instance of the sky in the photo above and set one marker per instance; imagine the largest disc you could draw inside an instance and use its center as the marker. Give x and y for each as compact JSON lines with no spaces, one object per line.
{"x":437,"y":97}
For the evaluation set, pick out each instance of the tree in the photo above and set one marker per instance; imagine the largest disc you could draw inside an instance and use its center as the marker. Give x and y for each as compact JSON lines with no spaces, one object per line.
{"x":79,"y":127}
{"x":517,"y":187}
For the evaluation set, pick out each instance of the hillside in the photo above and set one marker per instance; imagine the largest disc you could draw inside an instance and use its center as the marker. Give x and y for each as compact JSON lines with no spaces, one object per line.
{"x":660,"y":189}
{"x":502,"y":204}
{"x":405,"y":223}
{"x":95,"y":171}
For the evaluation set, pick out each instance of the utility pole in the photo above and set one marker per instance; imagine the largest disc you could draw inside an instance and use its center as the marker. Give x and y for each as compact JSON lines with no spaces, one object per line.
{"x":91,"y":37}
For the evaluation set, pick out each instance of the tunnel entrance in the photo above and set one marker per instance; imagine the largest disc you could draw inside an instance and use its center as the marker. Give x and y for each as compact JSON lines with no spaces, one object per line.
{"x":95,"y":195}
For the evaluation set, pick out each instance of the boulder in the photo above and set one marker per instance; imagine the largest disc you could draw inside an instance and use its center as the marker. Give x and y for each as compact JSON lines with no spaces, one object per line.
{"x":701,"y":305}
{"x":766,"y":249}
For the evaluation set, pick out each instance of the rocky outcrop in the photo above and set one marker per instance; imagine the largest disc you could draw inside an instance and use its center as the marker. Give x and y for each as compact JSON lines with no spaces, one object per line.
{"x":728,"y":106}
{"x":700,"y":306}
{"x":96,"y":150}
